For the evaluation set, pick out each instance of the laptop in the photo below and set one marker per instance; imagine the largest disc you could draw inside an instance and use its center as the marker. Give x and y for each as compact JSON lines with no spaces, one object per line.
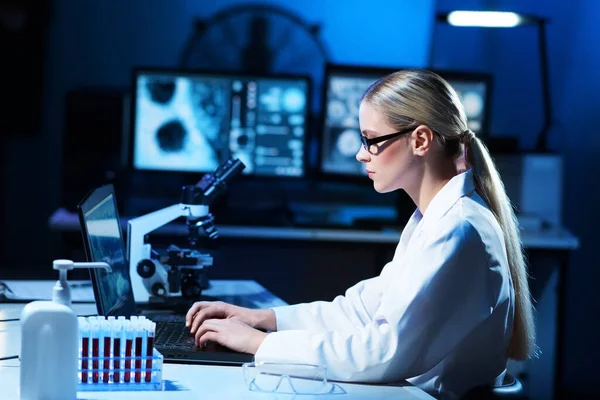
{"x":103,"y":241}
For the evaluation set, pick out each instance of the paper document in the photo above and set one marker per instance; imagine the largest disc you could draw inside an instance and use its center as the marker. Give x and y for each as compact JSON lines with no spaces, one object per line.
{"x":81,"y":291}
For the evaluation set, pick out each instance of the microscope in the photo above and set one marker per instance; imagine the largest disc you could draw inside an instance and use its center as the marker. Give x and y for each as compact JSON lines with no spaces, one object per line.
{"x":177,"y":276}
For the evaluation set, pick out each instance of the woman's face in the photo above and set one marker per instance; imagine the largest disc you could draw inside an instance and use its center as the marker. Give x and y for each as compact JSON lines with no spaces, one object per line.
{"x":390,"y":169}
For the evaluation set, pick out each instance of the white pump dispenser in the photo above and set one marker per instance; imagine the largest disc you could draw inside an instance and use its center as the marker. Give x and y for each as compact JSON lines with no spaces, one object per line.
{"x":49,"y":342}
{"x":61,"y":293}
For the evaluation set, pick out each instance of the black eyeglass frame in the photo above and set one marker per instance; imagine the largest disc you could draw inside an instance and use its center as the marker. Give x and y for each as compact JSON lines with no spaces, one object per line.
{"x":367,"y":143}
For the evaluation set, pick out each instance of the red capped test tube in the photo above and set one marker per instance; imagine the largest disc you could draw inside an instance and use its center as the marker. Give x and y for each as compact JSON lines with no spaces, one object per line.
{"x":150,"y":329}
{"x":128,"y":350}
{"x":139,"y":338}
{"x":95,"y":338}
{"x":117,"y":332}
{"x":84,"y":330}
{"x":106,"y":349}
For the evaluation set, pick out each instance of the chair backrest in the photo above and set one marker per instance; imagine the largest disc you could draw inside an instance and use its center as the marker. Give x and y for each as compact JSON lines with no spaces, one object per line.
{"x":511,"y":389}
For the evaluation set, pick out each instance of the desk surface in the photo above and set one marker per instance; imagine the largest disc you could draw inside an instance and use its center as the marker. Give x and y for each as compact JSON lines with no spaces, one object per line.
{"x":245,"y":293}
{"x":183,"y":381}
{"x":556,"y":238}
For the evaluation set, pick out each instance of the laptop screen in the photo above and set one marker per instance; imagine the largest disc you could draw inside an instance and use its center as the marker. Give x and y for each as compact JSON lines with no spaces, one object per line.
{"x":103,"y":241}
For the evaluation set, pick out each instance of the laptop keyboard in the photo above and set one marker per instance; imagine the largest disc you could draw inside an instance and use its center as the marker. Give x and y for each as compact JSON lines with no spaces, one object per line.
{"x":174,"y":341}
{"x":171,"y":333}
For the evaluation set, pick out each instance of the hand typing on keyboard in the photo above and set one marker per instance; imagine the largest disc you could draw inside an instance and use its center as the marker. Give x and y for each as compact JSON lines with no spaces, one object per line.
{"x":231,"y":326}
{"x":203,"y":310}
{"x":171,"y":334}
{"x":231,"y":333}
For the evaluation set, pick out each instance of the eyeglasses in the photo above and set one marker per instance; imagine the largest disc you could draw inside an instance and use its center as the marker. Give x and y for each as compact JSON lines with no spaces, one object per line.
{"x":300,"y":378}
{"x":370,"y":144}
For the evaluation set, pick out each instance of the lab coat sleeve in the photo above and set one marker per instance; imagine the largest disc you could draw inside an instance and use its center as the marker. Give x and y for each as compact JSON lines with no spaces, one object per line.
{"x":349,"y":312}
{"x":424,"y":313}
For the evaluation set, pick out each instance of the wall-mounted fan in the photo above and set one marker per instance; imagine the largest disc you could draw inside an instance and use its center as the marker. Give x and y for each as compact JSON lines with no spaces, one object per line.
{"x":257,"y":38}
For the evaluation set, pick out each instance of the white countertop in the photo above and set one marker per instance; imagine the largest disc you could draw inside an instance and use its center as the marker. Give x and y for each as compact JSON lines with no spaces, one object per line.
{"x":182,"y":381}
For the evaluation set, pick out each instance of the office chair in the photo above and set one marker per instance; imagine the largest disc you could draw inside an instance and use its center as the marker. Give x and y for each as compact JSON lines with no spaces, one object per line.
{"x":511,"y":389}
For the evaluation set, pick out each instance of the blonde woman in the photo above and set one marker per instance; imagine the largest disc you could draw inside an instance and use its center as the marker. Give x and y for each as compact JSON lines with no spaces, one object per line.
{"x":453,"y":305}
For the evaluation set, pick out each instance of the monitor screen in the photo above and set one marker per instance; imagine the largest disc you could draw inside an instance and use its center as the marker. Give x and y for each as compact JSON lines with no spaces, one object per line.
{"x":474,"y":91}
{"x":193,"y":122}
{"x":344,"y":87}
{"x":103,"y":241}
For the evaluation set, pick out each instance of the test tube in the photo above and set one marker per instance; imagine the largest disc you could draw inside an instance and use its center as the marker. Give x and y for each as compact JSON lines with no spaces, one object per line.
{"x":116,"y":334}
{"x":150,"y":329}
{"x":106,"y":332}
{"x":84,"y":329}
{"x":95,"y":336}
{"x":139,"y":336}
{"x":104,"y":351}
{"x":128,"y":347}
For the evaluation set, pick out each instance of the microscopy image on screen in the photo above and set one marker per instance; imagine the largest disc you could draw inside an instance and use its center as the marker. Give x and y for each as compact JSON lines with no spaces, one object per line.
{"x":268,"y":126}
{"x":195,"y":122}
{"x":341,"y":139}
{"x":341,"y":154}
{"x":472,"y":96}
{"x":179,"y":122}
{"x":343,"y":99}
{"x":280,"y":128}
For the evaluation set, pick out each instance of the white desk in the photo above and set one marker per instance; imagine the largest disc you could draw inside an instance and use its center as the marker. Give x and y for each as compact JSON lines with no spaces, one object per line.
{"x":187,"y":381}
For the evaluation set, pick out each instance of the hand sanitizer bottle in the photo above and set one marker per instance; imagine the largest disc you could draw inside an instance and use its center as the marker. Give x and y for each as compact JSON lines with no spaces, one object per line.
{"x":49,"y":342}
{"x":49,"y":351}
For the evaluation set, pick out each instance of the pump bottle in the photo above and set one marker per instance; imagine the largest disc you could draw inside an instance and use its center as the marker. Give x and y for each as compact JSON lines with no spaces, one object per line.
{"x":49,"y":342}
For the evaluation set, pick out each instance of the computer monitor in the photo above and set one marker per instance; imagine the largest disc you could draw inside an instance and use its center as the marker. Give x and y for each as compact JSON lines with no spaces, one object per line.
{"x":191,"y":121}
{"x":474,"y":90}
{"x":343,"y":88}
{"x":103,"y":241}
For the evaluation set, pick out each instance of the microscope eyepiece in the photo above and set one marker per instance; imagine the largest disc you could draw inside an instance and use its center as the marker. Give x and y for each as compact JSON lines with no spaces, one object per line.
{"x":229,"y":169}
{"x":212,"y":185}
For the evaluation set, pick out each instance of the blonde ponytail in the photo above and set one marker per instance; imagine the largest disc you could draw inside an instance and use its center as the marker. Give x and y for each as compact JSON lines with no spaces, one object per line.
{"x":490,"y":187}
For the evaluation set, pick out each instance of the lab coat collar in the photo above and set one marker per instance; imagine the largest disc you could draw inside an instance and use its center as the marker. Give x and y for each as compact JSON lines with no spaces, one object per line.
{"x":459,"y":186}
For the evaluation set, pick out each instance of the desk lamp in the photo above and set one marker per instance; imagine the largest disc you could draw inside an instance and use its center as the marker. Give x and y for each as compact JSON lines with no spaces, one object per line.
{"x":497,"y":19}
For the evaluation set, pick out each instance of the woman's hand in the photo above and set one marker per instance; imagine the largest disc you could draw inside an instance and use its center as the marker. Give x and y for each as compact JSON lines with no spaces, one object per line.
{"x":231,"y":333}
{"x":205,"y":310}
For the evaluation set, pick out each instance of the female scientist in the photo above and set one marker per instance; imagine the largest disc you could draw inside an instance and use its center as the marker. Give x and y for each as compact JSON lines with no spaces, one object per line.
{"x":453,"y":305}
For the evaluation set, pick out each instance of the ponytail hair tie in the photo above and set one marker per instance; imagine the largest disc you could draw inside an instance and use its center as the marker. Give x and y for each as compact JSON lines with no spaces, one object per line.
{"x":466,"y":136}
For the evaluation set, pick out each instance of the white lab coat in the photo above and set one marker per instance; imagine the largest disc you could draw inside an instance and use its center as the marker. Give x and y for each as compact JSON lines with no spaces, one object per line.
{"x":440,"y":314}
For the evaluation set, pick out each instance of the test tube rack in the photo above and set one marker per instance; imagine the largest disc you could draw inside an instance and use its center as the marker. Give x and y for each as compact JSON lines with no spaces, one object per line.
{"x":118,"y":355}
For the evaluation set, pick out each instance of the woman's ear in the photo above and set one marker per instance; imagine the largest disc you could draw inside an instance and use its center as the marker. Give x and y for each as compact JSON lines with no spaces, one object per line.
{"x":461,"y":163}
{"x":422,"y":139}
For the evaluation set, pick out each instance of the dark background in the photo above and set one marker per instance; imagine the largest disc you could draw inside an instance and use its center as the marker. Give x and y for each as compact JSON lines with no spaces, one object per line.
{"x":49,"y":48}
